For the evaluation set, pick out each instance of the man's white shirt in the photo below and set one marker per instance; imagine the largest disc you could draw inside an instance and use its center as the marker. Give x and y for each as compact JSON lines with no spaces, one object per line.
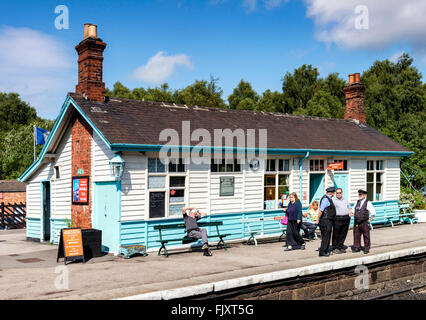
{"x":370,"y":207}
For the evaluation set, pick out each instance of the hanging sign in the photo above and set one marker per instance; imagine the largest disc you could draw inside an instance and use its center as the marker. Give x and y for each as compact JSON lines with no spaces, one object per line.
{"x":80,"y":190}
{"x":70,"y":245}
{"x":335,"y":166}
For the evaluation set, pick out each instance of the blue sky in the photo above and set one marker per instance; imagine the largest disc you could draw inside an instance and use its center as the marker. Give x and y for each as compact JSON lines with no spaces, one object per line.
{"x":180,"y":41}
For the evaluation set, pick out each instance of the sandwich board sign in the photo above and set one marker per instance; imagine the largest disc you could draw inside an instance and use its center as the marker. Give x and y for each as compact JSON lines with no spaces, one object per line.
{"x":70,"y":245}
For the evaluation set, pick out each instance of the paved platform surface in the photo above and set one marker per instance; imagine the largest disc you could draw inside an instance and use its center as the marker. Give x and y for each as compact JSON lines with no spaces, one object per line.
{"x":28,"y":270}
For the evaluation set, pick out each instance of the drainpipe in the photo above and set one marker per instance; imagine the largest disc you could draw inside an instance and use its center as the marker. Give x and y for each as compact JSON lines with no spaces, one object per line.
{"x":301,"y":174}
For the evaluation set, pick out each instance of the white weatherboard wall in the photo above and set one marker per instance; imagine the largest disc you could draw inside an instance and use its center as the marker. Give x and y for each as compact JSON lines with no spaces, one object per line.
{"x":199,"y":186}
{"x":34,"y":190}
{"x":253,"y":189}
{"x":61,"y":188}
{"x":226,"y":204}
{"x":134,"y":187}
{"x":392,"y":180}
{"x":358,"y":178}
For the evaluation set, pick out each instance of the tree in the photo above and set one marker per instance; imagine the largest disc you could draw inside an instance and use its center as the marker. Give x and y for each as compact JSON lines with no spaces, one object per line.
{"x":18,"y":149}
{"x":395,"y":103}
{"x":299,"y":87}
{"x":14,"y":111}
{"x":323,"y":104}
{"x":243,"y":97}
{"x":202,"y":93}
{"x":271,"y":101}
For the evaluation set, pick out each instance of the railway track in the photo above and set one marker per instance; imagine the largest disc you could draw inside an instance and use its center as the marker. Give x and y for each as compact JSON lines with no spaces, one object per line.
{"x":410,"y":293}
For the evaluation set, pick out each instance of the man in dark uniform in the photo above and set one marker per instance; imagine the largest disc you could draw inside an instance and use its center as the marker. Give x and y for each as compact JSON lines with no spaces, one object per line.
{"x":363,"y":214}
{"x":327,"y":213}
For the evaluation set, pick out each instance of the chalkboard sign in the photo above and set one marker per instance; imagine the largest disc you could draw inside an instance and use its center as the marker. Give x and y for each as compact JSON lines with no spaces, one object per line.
{"x":157,"y":204}
{"x":227,"y":186}
{"x":71,"y":245}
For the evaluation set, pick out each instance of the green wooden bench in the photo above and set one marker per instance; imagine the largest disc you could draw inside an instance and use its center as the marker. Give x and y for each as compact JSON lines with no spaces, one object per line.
{"x":406,"y":216}
{"x":185,"y":239}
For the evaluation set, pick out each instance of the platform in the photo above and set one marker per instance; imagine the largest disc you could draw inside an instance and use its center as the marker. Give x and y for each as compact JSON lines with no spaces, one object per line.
{"x":184,"y":273}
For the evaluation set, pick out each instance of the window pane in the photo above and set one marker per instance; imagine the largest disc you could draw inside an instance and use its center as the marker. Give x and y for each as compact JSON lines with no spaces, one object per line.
{"x":378,"y":191}
{"x":283,"y":180}
{"x":177,"y":195}
{"x":214,"y":167}
{"x":283,"y":190}
{"x":181,"y":167}
{"x":175,"y":210}
{"x":156,"y":182}
{"x":379,"y":177}
{"x":229,"y":167}
{"x":177,"y":182}
{"x":287,"y":165}
{"x":370,"y":191}
{"x":172,"y":167}
{"x":270,"y":180}
{"x":160,"y":166}
{"x":311,"y":165}
{"x":152,"y":165}
{"x":321,"y":165}
{"x":370,"y":177}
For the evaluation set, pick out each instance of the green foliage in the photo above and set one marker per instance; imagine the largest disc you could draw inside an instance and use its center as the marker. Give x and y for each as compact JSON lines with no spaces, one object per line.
{"x":18,"y":149}
{"x":413,"y":198}
{"x":14,"y":111}
{"x":243,"y":97}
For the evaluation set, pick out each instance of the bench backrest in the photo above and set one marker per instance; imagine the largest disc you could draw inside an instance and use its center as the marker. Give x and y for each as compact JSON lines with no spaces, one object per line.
{"x":182,"y":225}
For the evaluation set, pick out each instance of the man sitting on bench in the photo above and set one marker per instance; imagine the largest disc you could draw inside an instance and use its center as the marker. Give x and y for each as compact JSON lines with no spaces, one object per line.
{"x":190,"y":217}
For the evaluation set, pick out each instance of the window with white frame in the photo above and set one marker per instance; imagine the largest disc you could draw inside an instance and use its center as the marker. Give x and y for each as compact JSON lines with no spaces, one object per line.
{"x":276,"y":181}
{"x":167,"y":188}
{"x":226,"y":165}
{"x":375,"y":180}
{"x":316,"y":165}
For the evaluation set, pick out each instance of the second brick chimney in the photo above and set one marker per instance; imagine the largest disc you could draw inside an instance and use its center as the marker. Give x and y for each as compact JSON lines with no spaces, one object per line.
{"x":90,"y":65}
{"x":355,"y":99}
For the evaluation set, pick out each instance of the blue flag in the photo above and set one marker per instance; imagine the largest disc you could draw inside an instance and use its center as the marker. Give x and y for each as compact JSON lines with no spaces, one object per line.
{"x":42,"y":135}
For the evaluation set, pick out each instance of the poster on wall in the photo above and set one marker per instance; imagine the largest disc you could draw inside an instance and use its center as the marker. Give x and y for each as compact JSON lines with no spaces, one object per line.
{"x":227,"y":185}
{"x":80,"y":190}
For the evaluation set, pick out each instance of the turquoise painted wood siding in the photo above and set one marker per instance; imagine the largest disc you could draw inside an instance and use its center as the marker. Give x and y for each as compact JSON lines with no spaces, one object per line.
{"x":142,"y":232}
{"x":55,"y":228}
{"x":33,"y":228}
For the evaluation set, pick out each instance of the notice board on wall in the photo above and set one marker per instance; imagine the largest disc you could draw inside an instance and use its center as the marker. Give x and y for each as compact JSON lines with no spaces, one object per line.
{"x":70,"y":245}
{"x":80,"y":190}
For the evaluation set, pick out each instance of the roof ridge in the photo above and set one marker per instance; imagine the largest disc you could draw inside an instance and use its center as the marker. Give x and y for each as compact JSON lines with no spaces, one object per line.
{"x":218,"y":109}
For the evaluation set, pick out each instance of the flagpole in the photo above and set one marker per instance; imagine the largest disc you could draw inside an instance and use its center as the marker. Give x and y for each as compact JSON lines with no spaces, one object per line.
{"x":34,"y":132}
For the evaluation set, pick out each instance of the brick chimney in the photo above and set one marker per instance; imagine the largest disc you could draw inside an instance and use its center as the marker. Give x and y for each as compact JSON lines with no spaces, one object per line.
{"x":355,"y":99}
{"x":90,"y":65}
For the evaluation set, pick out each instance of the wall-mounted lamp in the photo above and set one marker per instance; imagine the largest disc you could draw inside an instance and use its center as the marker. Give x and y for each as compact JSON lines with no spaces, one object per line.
{"x":116,"y":166}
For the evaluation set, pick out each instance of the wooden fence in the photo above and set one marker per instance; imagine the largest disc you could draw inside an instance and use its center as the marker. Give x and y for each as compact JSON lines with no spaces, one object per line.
{"x":12,"y":216}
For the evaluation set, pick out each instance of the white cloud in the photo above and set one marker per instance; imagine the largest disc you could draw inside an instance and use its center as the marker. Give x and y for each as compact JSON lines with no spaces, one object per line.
{"x":388,"y":22}
{"x":37,"y":66}
{"x":161,"y":67}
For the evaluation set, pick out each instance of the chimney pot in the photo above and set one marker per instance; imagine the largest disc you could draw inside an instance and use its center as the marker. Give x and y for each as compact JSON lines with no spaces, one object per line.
{"x":354,"y":94}
{"x":90,"y":64}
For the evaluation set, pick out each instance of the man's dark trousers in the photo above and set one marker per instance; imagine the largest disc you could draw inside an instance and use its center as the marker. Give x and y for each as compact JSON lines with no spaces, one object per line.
{"x":326,"y":227}
{"x":362,"y":229}
{"x":340,"y":231}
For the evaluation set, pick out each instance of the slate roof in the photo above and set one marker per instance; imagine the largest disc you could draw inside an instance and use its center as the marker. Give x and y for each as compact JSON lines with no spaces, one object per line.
{"x":124,"y":121}
{"x":12,"y":186}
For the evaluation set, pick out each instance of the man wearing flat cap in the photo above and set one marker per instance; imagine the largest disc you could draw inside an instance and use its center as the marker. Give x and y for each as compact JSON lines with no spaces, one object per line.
{"x":327,"y":213}
{"x":363,"y":214}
